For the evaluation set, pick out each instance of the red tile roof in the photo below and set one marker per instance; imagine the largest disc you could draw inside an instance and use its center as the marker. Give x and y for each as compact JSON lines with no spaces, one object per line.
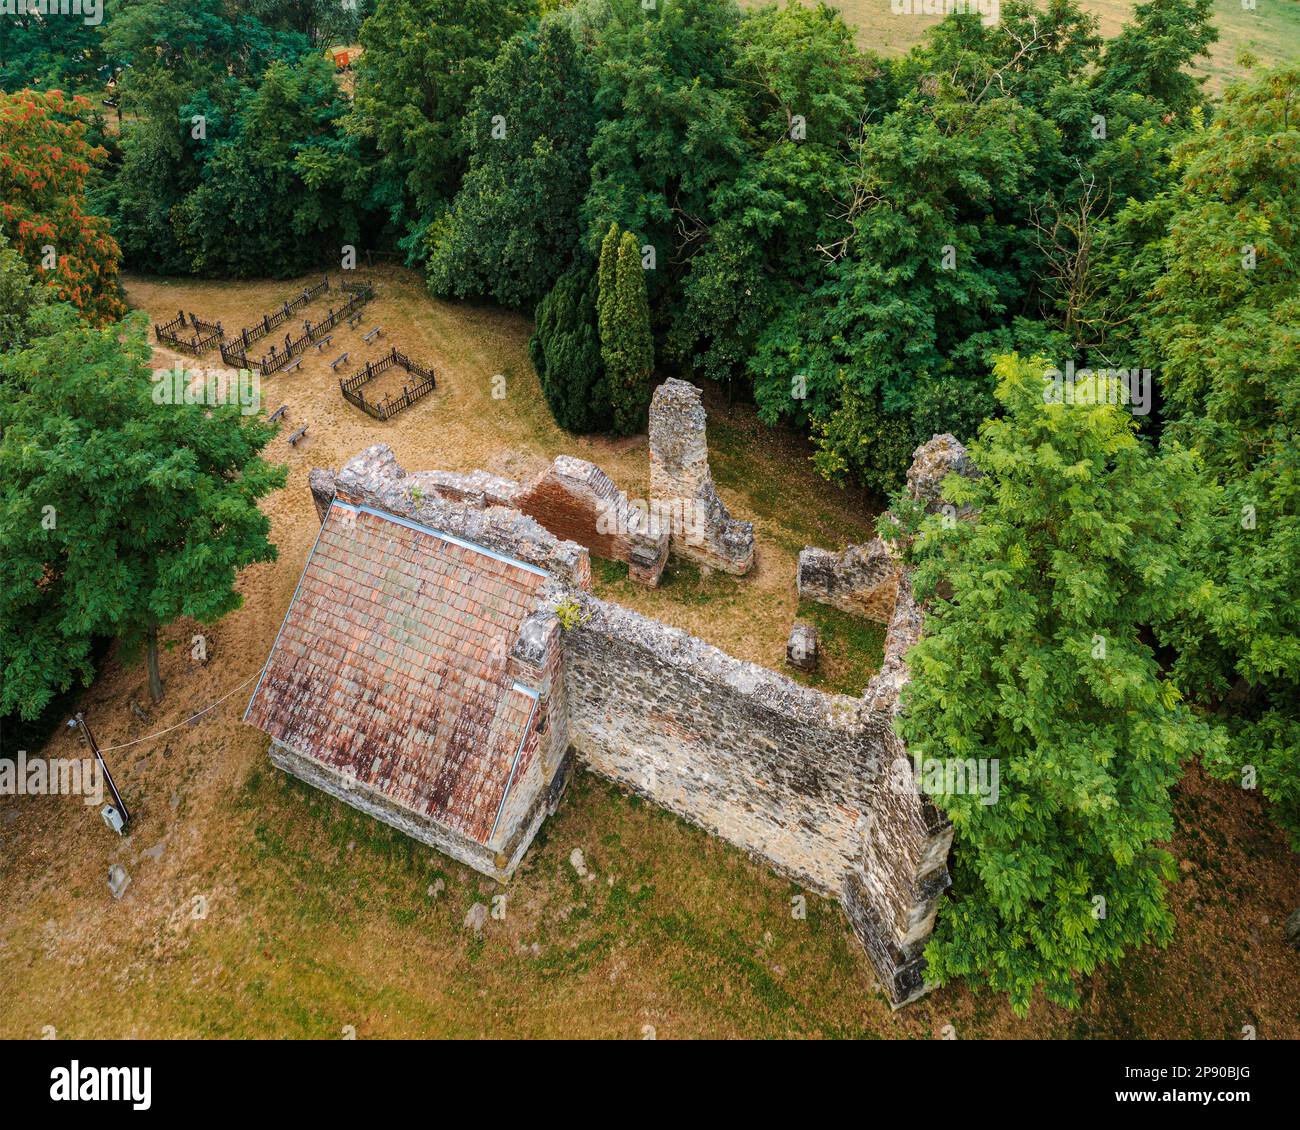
{"x":391,"y":665}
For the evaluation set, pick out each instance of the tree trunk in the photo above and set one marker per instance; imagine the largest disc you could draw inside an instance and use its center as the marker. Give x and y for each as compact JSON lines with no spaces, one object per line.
{"x":151,"y":661}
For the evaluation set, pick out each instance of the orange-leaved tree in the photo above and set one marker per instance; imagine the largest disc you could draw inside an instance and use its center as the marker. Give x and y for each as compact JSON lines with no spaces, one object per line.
{"x":45,"y":161}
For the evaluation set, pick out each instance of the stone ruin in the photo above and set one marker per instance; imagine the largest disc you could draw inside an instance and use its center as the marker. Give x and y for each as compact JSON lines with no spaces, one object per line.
{"x":863,"y":579}
{"x":932,"y":462}
{"x":576,"y":500}
{"x":701,"y":529}
{"x":818,"y":786}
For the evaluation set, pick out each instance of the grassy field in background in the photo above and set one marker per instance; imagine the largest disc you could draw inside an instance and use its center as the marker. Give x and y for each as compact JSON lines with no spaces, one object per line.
{"x":1271,"y":32}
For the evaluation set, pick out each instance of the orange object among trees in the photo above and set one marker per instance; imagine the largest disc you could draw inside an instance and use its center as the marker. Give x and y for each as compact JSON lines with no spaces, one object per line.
{"x":44,"y":162}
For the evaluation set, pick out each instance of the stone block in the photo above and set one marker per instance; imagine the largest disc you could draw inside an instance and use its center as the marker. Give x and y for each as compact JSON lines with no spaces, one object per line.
{"x":681,"y":484}
{"x":802,"y":647}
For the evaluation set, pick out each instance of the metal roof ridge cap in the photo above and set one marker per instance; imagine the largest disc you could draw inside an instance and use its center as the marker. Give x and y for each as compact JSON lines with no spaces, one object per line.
{"x":443,"y":535}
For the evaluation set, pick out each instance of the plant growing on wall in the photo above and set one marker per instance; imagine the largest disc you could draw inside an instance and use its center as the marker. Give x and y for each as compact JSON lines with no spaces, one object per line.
{"x":1034,"y":656}
{"x":570,"y":615}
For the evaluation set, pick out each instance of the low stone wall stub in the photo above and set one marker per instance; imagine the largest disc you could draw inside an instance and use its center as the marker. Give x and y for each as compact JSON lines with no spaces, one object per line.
{"x":862,"y":579}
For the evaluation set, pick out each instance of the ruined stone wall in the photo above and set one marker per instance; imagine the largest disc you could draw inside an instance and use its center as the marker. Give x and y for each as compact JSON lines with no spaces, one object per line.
{"x":794,"y":776}
{"x":477,"y":507}
{"x":577,"y":501}
{"x":862,"y":579}
{"x":682,"y":484}
{"x":891,"y":895}
{"x":537,"y":660}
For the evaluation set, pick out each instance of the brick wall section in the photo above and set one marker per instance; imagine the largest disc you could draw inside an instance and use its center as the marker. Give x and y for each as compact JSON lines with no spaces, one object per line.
{"x":577,"y":501}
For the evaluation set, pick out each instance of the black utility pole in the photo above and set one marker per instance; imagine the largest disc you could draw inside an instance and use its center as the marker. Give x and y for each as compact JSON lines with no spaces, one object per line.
{"x":80,"y":721}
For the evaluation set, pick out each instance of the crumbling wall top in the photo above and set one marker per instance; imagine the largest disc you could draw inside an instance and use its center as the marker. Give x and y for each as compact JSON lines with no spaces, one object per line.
{"x":932,"y":462}
{"x":472,"y":507}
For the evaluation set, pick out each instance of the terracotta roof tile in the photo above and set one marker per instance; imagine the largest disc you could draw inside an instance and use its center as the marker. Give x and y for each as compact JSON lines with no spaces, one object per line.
{"x":392,"y":664}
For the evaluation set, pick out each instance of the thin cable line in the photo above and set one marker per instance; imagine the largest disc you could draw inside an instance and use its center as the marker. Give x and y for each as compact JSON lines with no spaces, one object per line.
{"x":159,"y":734}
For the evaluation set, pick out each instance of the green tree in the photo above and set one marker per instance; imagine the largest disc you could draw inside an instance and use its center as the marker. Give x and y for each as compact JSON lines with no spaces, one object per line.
{"x":117,"y":514}
{"x":422,"y":60}
{"x":800,"y":89}
{"x":1150,"y":55}
{"x":565,"y":350}
{"x":669,"y":130}
{"x":1034,"y":658}
{"x":20,"y":299}
{"x":284,"y":188}
{"x":623,"y":318}
{"x":514,"y":224}
{"x":162,"y":163}
{"x":52,"y":54}
{"x":1223,"y":321}
{"x":204,"y":40}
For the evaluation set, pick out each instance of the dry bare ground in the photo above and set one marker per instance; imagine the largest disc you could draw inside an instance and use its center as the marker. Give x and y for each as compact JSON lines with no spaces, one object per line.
{"x":258,"y":907}
{"x":1270,"y":30}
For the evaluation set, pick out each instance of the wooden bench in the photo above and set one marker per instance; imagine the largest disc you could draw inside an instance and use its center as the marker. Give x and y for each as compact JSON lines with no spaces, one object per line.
{"x":289,"y":368}
{"x":324,"y":342}
{"x":354,"y":320}
{"x":373,"y":333}
{"x":278,"y":413}
{"x":337,"y":362}
{"x":293,"y":439}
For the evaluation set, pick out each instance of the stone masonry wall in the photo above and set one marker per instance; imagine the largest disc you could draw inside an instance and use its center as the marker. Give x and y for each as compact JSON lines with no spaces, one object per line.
{"x":863,"y":579}
{"x":818,"y":786}
{"x":793,"y":776}
{"x":682,"y":484}
{"x":477,"y":507}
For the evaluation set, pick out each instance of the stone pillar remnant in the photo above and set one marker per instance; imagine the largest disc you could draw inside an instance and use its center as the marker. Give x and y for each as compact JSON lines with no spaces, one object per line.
{"x":681,"y":484}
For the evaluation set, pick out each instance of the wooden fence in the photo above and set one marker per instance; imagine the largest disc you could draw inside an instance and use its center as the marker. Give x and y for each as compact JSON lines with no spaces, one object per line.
{"x":235,"y":353}
{"x":269,"y":322}
{"x":206,"y":334}
{"x":352,"y":386}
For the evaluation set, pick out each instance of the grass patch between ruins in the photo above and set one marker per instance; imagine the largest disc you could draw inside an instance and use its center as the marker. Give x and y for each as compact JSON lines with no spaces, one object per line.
{"x":851,"y":649}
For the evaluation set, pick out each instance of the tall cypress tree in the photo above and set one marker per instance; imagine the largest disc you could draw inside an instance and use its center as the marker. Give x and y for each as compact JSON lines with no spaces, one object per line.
{"x":623,"y":317}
